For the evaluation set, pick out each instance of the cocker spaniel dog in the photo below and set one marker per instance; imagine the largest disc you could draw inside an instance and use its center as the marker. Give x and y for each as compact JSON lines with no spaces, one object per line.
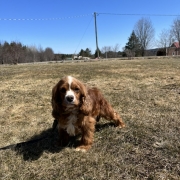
{"x":76,"y":107}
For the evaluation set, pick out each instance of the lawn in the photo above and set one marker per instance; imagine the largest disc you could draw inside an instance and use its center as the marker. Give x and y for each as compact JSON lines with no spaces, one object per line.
{"x":146,"y":93}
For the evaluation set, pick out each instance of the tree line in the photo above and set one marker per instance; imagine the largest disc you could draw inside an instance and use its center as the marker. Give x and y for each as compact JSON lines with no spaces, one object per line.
{"x":105,"y":52}
{"x":15,"y":52}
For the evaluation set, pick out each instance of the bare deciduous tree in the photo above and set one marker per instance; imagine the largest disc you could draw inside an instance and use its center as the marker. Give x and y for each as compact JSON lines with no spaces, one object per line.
{"x":110,"y":52}
{"x":16,"y":50}
{"x":6,"y":54}
{"x":32,"y":54}
{"x":41,"y":56}
{"x":144,"y":31}
{"x":176,"y":29}
{"x":165,"y":40}
{"x":106,"y":50}
{"x":129,"y":53}
{"x":115,"y":50}
{"x":48,"y":54}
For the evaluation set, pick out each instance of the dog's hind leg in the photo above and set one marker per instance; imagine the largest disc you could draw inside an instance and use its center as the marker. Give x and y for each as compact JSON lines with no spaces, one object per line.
{"x":109,"y":113}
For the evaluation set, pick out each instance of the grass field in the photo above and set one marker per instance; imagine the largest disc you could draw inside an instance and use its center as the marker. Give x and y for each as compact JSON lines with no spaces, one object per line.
{"x":146,"y":93}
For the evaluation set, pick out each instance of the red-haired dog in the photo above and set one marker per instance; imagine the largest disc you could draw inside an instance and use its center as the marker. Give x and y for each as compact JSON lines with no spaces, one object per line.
{"x":76,"y":107}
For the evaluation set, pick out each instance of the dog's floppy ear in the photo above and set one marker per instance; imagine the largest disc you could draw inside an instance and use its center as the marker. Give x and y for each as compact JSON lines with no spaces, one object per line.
{"x":55,"y":96}
{"x":86,"y":104}
{"x":55,"y":101}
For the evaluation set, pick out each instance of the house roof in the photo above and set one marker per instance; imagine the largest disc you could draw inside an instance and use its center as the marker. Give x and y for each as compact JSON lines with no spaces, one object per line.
{"x":175,"y":44}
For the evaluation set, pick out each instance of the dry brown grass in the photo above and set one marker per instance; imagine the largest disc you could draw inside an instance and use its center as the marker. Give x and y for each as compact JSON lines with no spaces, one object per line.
{"x":145,"y":92}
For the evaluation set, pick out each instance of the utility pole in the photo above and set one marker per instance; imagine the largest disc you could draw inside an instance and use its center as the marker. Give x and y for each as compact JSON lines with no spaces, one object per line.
{"x":97,"y":49}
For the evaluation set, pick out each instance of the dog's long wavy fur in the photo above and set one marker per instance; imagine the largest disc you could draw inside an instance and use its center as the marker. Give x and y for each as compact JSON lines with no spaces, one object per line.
{"x":80,"y":115}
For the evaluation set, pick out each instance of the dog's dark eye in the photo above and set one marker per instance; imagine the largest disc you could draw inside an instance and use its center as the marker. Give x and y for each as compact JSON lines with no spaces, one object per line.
{"x":63,"y":90}
{"x":76,"y":89}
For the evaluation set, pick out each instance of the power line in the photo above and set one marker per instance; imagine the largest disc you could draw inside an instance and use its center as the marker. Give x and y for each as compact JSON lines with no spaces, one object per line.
{"x":83,"y":35}
{"x":117,"y":14}
{"x":84,"y":15}
{"x":44,"y":19}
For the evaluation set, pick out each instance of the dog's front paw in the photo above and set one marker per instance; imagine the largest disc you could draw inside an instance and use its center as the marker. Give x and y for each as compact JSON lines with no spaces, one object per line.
{"x":122,"y":125}
{"x":83,"y":148}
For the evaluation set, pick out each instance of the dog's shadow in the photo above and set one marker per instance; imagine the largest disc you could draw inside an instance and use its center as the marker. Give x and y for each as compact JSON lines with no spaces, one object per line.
{"x":46,"y":141}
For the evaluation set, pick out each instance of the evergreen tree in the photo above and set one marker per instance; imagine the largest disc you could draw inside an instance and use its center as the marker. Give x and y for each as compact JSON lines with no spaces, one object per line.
{"x":87,"y":52}
{"x":81,"y":53}
{"x":133,"y":45}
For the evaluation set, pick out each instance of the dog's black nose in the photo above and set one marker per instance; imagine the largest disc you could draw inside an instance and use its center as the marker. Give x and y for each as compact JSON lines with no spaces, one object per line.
{"x":70,"y":98}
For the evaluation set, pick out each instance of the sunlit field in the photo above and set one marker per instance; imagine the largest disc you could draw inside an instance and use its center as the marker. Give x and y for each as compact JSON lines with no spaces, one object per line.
{"x":146,"y":93}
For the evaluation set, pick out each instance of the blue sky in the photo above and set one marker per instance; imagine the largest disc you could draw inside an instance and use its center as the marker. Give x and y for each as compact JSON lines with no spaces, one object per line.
{"x":74,"y":29}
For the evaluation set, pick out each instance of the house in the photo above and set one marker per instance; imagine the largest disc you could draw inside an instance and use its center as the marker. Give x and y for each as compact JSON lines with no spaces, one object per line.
{"x":174,"y":50}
